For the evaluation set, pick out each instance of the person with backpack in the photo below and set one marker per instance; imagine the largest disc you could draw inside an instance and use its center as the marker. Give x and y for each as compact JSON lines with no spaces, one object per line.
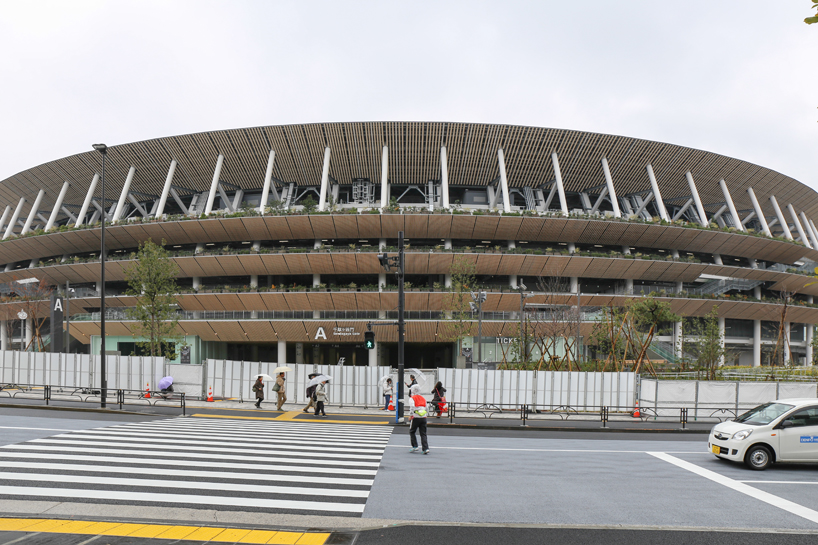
{"x":417,"y":420}
{"x":279,"y":388}
{"x":258,"y":388}
{"x":439,"y":398}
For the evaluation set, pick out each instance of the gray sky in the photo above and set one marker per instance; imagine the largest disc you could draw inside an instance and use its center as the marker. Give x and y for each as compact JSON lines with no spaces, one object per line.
{"x":734,"y":77}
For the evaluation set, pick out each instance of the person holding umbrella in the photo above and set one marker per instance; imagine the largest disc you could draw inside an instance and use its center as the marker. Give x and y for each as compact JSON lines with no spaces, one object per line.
{"x":320,"y":398}
{"x":280,"y":389}
{"x":166,"y":387}
{"x":311,"y":392}
{"x":258,"y":388}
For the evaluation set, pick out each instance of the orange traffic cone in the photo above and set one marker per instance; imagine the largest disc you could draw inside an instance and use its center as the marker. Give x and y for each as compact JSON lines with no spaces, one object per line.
{"x":209,"y":393}
{"x":391,"y":403}
{"x":148,"y":390}
{"x":636,"y":413}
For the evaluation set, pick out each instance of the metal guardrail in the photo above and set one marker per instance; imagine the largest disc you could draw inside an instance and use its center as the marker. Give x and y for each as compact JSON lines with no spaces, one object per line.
{"x":114,"y":397}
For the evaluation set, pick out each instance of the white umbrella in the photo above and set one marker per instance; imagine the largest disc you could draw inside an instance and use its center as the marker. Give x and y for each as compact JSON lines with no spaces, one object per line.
{"x":265,"y":377}
{"x":282,"y":369}
{"x":318,"y":380}
{"x":418,"y":375}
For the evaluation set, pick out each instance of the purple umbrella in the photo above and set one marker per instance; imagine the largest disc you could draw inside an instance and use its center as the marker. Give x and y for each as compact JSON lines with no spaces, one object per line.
{"x":164,"y":382}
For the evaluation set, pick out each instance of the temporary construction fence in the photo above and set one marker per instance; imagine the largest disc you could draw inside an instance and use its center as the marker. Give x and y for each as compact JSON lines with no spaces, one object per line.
{"x":712,"y":398}
{"x":539,"y":389}
{"x":80,"y":370}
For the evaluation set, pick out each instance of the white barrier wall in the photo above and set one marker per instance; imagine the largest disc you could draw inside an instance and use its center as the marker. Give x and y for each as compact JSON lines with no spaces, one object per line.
{"x":716,"y":398}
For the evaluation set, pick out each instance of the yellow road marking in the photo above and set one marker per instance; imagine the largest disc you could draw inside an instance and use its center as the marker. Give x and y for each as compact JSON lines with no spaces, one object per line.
{"x":291,"y":417}
{"x":183,"y":533}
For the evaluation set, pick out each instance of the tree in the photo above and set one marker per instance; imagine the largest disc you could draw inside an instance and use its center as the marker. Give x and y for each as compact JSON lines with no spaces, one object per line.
{"x":813,"y":19}
{"x":152,"y":280}
{"x":704,"y":339}
{"x":459,"y":320}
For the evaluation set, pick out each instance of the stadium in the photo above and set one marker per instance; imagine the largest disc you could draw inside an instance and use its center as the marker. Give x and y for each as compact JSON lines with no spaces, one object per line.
{"x":276,"y":233}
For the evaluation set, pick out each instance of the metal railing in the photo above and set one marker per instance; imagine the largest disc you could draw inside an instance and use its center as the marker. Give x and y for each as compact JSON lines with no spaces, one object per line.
{"x":114,"y":397}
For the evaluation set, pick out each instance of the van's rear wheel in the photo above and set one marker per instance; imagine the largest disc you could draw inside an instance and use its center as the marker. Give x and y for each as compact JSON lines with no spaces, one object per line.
{"x":758,"y":457}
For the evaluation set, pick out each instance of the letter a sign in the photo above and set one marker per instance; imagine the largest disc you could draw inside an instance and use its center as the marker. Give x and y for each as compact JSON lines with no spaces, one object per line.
{"x":320,"y":334}
{"x":56,"y":323}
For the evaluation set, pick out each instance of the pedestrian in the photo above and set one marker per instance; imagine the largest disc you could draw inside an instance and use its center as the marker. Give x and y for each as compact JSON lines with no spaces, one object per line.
{"x":258,"y":388}
{"x":311,"y":393}
{"x":439,"y":398}
{"x":388,"y":391}
{"x":280,"y":388}
{"x":320,"y":398}
{"x":412,"y":382}
{"x":417,"y":423}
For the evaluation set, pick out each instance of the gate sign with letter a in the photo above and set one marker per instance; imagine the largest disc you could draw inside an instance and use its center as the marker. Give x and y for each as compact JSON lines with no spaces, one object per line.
{"x":57,"y":314}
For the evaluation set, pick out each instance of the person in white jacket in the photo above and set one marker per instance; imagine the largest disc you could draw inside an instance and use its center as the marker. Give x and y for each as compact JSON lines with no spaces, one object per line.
{"x":388,"y":391}
{"x":417,"y":416}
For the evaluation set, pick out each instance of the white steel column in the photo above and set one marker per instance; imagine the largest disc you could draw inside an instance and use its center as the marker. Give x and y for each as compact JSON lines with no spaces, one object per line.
{"x":560,"y":187}
{"x":780,"y":216}
{"x":501,"y":161}
{"x":14,"y":217}
{"x":797,"y":223}
{"x":268,"y":179}
{"x":322,"y":197}
{"x":814,"y":230}
{"x":87,"y":202}
{"x":697,"y":200}
{"x":57,"y":204}
{"x":756,"y":343}
{"x":611,"y":190}
{"x":5,"y":216}
{"x":759,"y":214}
{"x":124,"y":195}
{"x":160,"y":208}
{"x":385,"y":178}
{"x":214,"y":185}
{"x":444,"y":177}
{"x":33,"y":212}
{"x":282,"y":352}
{"x":4,"y":335}
{"x":730,"y":205}
{"x":808,"y":229}
{"x":654,"y":185}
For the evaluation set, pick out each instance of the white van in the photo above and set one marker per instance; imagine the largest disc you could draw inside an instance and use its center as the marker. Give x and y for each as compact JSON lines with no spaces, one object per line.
{"x":785,"y":430}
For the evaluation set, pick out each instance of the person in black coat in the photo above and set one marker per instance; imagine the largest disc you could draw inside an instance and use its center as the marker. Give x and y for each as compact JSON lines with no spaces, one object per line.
{"x":438,"y":395}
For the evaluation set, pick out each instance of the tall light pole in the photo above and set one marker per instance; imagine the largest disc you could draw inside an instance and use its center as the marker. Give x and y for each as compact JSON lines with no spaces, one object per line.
{"x":103,"y":379}
{"x":523,"y":345}
{"x":478,"y":298}
{"x":398,"y":263}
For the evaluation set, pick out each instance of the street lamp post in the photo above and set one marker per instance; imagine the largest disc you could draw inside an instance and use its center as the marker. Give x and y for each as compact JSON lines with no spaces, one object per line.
{"x":103,"y":380}
{"x":398,"y":263}
{"x":478,"y":298}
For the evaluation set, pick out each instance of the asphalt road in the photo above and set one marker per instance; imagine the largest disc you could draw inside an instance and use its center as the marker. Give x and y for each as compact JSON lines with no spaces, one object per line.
{"x":532,"y":486}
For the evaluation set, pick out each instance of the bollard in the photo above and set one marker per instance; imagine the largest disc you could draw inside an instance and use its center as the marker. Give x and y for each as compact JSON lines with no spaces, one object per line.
{"x":603,"y":416}
{"x":683,"y":417}
{"x":524,"y":414}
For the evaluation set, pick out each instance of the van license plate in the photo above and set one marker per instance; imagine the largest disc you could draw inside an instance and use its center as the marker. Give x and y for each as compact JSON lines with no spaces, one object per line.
{"x":716,"y":449}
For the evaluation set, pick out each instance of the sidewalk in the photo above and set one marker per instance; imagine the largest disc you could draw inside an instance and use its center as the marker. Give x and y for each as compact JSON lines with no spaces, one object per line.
{"x":483,"y":418}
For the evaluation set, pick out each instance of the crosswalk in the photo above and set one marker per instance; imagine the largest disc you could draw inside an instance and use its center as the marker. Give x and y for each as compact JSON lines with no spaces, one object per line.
{"x":282,"y":467}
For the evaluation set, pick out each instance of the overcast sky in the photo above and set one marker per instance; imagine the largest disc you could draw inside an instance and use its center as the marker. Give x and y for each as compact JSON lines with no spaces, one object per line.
{"x":735,"y":77}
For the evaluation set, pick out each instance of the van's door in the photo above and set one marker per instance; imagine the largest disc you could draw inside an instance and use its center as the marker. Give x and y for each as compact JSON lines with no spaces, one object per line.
{"x":799,"y":441}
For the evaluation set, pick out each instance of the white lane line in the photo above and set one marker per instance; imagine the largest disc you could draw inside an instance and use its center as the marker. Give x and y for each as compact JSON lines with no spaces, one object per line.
{"x":195,"y":485}
{"x":775,"y":501}
{"x":212,"y":439}
{"x":22,"y":428}
{"x":198,"y":455}
{"x":240,"y":476}
{"x":210,"y":443}
{"x":158,"y":444}
{"x":366,"y":429}
{"x":118,"y":495}
{"x":601,"y":451}
{"x":220,"y":464}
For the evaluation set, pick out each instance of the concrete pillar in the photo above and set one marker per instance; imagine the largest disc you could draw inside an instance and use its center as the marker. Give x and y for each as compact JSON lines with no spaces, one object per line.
{"x":316,"y":279}
{"x":717,"y":259}
{"x":381,"y":244}
{"x":322,"y":196}
{"x":759,"y":212}
{"x":253,"y":280}
{"x":558,"y":180}
{"x":804,"y":240}
{"x":697,"y":200}
{"x":721,"y":340}
{"x":282,"y":352}
{"x":611,"y":192}
{"x":680,"y":286}
{"x":268,"y":177}
{"x":574,"y":284}
{"x":4,"y":335}
{"x":197,"y":282}
{"x":654,"y":185}
{"x":14,"y":217}
{"x":163,"y":198}
{"x":629,"y":286}
{"x":444,"y":178}
{"x":29,"y":331}
{"x":87,"y":202}
{"x":214,"y":185}
{"x":299,"y":352}
{"x":317,"y":244}
{"x":33,"y":212}
{"x":5,"y":216}
{"x":512,"y":281}
{"x":381,"y":281}
{"x":373,"y":355}
{"x":731,"y":206}
{"x":501,"y":161}
{"x":756,"y":343}
{"x":57,"y":204}
{"x":385,"y":178}
{"x":784,"y":226}
{"x":447,"y":243}
{"x":126,"y":188}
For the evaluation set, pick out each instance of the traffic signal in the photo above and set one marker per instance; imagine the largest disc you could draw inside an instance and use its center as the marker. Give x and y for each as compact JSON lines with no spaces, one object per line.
{"x":369,"y":339}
